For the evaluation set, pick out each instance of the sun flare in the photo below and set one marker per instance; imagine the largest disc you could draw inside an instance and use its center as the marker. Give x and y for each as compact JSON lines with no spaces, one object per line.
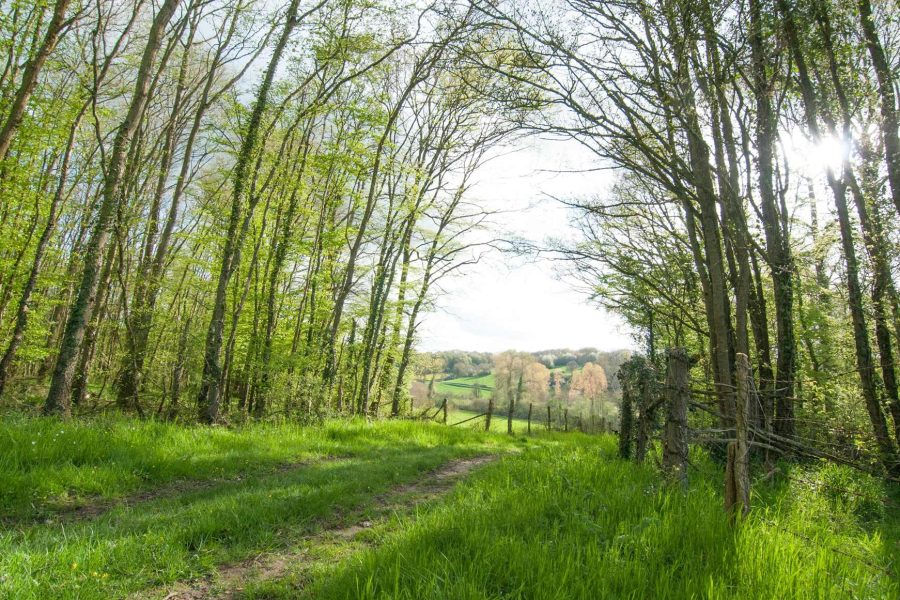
{"x":811,"y":156}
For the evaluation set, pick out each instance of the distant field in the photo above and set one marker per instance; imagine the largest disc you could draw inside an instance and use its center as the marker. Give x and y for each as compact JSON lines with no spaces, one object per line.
{"x":463,"y":386}
{"x":498,"y":422}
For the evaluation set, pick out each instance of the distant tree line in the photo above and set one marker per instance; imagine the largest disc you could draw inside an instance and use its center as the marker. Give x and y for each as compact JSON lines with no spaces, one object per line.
{"x":585,"y":384}
{"x":461,"y":363}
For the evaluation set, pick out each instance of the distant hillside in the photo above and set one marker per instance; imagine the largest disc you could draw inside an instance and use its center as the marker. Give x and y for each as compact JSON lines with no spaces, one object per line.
{"x":461,"y":369}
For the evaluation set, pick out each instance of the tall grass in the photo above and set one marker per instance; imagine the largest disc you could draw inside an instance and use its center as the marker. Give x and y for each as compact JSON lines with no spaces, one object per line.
{"x":562,"y":518}
{"x":569,"y":520}
{"x":187,"y":533}
{"x":47,"y":464}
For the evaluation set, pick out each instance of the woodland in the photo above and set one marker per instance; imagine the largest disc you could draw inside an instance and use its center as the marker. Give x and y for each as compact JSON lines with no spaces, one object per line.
{"x":223,"y":223}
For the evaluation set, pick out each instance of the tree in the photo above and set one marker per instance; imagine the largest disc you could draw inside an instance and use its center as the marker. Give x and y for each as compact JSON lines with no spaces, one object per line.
{"x":58,"y":398}
{"x":590,"y":383}
{"x":537,"y":382}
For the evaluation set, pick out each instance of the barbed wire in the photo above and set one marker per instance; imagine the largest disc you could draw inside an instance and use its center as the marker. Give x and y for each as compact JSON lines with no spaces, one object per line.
{"x":797,"y":438}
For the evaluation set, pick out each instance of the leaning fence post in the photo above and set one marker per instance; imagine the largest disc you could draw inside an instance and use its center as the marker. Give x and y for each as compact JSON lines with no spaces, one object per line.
{"x":530,"y":407}
{"x":445,"y":411}
{"x":675,"y":447}
{"x":548,"y":417}
{"x":490,"y":410}
{"x":742,"y":447}
{"x":566,"y":420}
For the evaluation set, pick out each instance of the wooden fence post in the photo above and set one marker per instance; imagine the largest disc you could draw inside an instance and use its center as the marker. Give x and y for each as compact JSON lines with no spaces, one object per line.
{"x":490,"y":411}
{"x":730,"y":487}
{"x":675,"y":446}
{"x":647,"y":406}
{"x":625,"y":413}
{"x":530,"y":407}
{"x":742,"y":446}
{"x":548,"y":417}
{"x":445,"y":411}
{"x":566,"y":419}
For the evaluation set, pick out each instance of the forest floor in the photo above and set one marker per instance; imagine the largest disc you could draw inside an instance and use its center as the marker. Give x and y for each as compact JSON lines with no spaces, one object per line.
{"x":116,"y":508}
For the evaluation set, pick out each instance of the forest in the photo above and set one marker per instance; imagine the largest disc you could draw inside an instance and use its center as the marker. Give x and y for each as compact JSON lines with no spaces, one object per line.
{"x":223,"y":224}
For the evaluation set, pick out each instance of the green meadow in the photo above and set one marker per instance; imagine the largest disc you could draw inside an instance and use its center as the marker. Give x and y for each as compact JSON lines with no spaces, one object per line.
{"x":114,"y":507}
{"x":464,"y":386}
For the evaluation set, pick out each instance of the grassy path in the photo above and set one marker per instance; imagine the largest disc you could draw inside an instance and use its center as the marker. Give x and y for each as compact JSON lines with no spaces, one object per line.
{"x":566,"y":519}
{"x":94,"y":507}
{"x":228,"y":581}
{"x":182,"y":531}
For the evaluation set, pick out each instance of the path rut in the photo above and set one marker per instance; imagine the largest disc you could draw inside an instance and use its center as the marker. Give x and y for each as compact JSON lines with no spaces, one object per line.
{"x":227,"y":582}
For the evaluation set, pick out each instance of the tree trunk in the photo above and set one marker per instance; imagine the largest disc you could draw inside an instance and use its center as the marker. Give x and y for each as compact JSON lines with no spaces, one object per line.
{"x":719,"y":316}
{"x":30,"y":77}
{"x":208,"y":395}
{"x":889,"y":121}
{"x":777,"y":246}
{"x":58,"y":398}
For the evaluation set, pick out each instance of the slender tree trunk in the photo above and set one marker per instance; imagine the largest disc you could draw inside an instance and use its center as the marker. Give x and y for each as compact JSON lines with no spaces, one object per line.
{"x":138,"y":332}
{"x":889,"y":120}
{"x":23,"y":310}
{"x":30,"y":77}
{"x":58,"y":398}
{"x":281,"y":247}
{"x":719,"y":318}
{"x":88,"y":346}
{"x":398,"y":319}
{"x":760,"y":322}
{"x":777,"y":246}
{"x":208,"y":395}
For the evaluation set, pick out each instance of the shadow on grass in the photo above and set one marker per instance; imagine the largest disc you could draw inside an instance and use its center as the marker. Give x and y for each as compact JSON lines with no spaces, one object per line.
{"x":161,"y":541}
{"x":563,"y":525}
{"x":48,"y":466}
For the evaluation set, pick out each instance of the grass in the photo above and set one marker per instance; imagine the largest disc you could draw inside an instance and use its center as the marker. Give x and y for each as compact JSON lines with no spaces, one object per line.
{"x":560,"y":518}
{"x":47,"y":465}
{"x":498,"y":422}
{"x":144,"y":544}
{"x":566,"y":519}
{"x":463,"y":386}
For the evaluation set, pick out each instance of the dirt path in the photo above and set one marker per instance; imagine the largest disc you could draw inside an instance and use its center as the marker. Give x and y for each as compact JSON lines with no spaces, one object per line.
{"x":228,"y":581}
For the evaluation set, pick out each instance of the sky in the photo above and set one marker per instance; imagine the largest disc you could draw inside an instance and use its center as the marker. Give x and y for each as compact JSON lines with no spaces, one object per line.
{"x":508,"y":302}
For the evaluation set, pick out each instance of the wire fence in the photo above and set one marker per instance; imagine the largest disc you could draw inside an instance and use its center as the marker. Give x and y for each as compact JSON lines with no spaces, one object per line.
{"x":741,"y":418}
